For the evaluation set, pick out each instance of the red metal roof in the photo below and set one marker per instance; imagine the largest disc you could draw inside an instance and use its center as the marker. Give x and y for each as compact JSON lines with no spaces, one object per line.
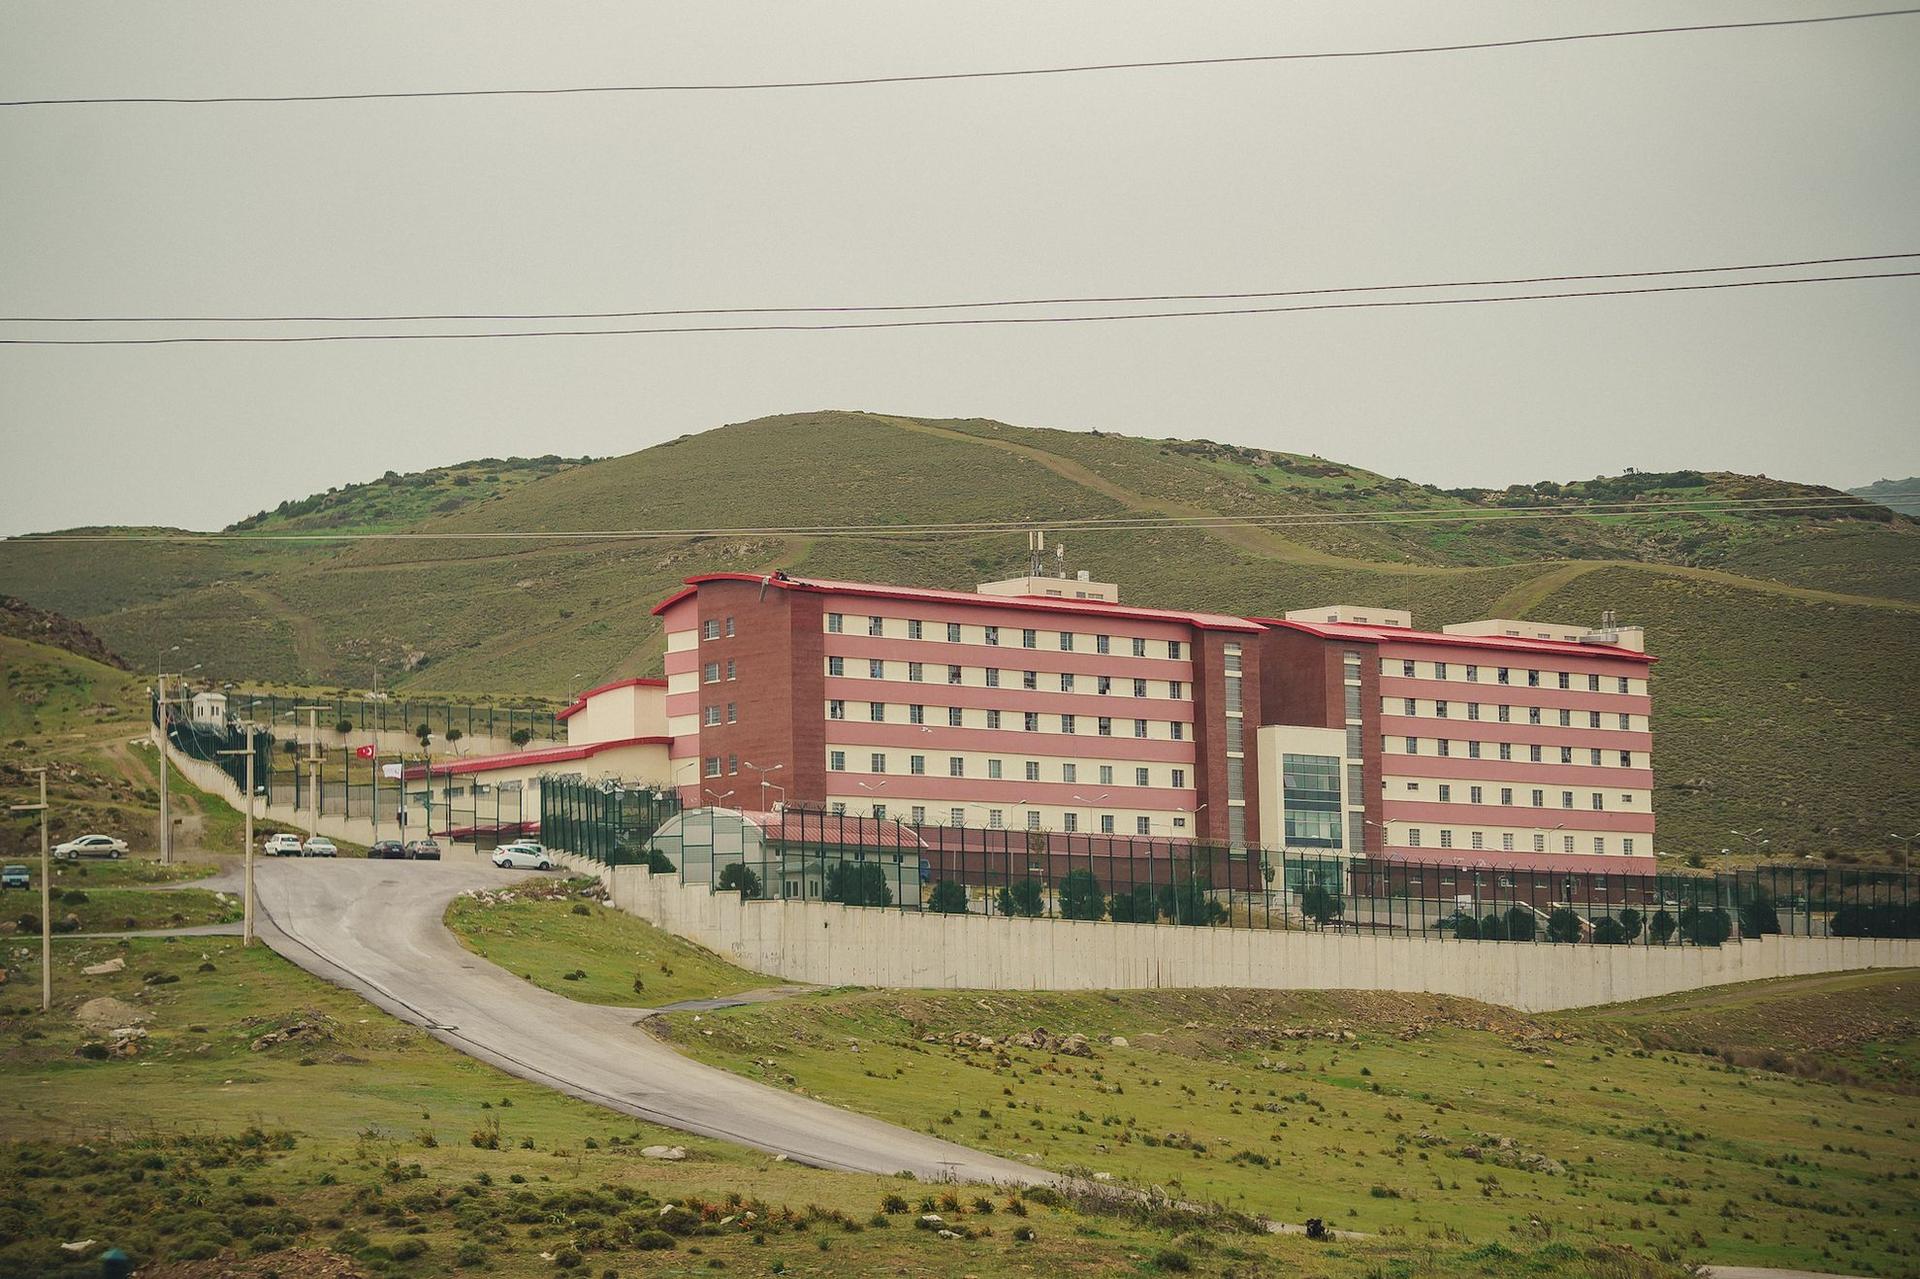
{"x":1407,"y":635}
{"x":580,"y":702}
{"x":1031,"y":603}
{"x":524,"y":759}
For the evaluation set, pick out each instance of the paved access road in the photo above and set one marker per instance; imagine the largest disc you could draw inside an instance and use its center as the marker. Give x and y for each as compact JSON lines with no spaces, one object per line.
{"x":375,"y":928}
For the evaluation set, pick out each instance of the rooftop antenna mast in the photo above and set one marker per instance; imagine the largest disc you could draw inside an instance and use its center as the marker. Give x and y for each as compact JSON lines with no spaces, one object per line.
{"x":1036,"y":552}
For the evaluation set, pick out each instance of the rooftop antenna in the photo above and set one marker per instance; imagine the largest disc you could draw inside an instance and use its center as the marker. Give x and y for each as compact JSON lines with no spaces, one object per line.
{"x":1059,"y":559}
{"x":1036,"y":551}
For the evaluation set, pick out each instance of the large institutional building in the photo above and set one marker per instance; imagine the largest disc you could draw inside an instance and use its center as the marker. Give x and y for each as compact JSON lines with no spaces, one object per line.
{"x":1044,"y":703}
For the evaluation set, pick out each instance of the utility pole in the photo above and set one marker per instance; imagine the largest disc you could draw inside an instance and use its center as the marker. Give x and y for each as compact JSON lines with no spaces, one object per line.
{"x":313,"y":768}
{"x":166,"y":816}
{"x":246,"y":848}
{"x":46,"y":896}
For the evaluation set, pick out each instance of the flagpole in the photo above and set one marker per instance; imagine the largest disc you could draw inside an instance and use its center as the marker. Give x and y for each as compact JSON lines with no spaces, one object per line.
{"x":374,"y":777}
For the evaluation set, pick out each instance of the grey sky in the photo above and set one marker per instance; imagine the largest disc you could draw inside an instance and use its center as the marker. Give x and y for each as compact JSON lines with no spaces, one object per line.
{"x":1618,"y":155}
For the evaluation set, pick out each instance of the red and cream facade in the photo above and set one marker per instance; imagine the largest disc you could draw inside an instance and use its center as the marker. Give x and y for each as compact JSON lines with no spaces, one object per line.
{"x":1064,"y":710}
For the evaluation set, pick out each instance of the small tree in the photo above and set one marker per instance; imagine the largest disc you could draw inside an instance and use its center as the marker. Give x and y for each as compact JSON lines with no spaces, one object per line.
{"x":858,"y":884}
{"x":1023,"y":898}
{"x":657,"y":862}
{"x":1465,"y":927}
{"x":1631,"y":923}
{"x":1188,"y":903}
{"x":738,"y":877}
{"x":1321,"y":904}
{"x":520,"y":736}
{"x":1708,"y":927}
{"x":1563,"y":925}
{"x":1493,"y":928}
{"x":424,"y":733}
{"x":1757,"y":915}
{"x":1081,"y":897}
{"x":343,"y":727}
{"x":1660,"y":928}
{"x":454,"y":735}
{"x":1608,"y":932}
{"x":1135,"y":907}
{"x":949,"y":898}
{"x":1521,"y":924}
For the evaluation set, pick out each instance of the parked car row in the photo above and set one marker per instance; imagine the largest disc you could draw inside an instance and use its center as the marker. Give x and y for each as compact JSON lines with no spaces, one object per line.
{"x":286,"y":844}
{"x":421,"y":850}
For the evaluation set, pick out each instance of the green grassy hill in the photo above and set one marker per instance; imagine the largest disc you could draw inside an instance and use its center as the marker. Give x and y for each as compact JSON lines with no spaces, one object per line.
{"x":1788,"y":639}
{"x":1896,"y":495}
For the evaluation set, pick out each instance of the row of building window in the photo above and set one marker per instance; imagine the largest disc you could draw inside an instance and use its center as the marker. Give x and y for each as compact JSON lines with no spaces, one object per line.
{"x":710,"y":673}
{"x":1410,"y":707}
{"x":1535,"y":754}
{"x":1068,"y":641}
{"x":1029,"y":721}
{"x":878,"y":762}
{"x":1509,"y":675}
{"x":1477,"y":841}
{"x":993,"y":677}
{"x":1597,"y":800}
{"x":997,"y":819}
{"x":710,"y":629}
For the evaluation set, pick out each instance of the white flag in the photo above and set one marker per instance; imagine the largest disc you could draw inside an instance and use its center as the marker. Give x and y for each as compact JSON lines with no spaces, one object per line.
{"x":390,"y":770}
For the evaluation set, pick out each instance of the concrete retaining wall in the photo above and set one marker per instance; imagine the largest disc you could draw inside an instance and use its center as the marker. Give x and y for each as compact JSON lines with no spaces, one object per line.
{"x":209,"y":778}
{"x":833,"y":945}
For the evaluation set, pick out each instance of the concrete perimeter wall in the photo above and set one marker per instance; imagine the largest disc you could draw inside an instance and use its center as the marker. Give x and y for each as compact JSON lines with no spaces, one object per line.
{"x":834,"y":945}
{"x":209,"y":778}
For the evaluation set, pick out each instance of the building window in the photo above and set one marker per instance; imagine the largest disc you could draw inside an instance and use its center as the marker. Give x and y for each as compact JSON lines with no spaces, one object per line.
{"x":1623,"y":683}
{"x":1106,"y":774}
{"x":1106,"y":726}
{"x":1139,"y":728}
{"x":1413,"y":837}
{"x":919,"y":815}
{"x":993,"y":636}
{"x":729,"y":627}
{"x":711,"y":674}
{"x":1533,"y":754}
{"x":1566,"y":679}
{"x":877,"y":712}
{"x":916,"y":714}
{"x":916,"y":672}
{"x":1033,"y":819}
{"x":1506,"y":795}
{"x":1066,"y":724}
{"x":835,"y":623}
{"x":953,"y":674}
{"x":1409,"y":707}
{"x":1539,"y":843}
{"x":1600,"y":844}
{"x":1179,"y":730}
{"x":1142,"y":826}
{"x":917,"y":765}
{"x":1626,"y":721}
{"x":838,"y":808}
{"x":877,"y":763}
{"x":1446,"y":793}
{"x":956,"y":817}
{"x":1506,"y":714}
{"x":1139,"y":647}
{"x":1066,"y":641}
{"x":1473,"y":750}
{"x":1473,"y":794}
{"x":879,"y":812}
{"x":1173,"y":649}
{"x":1473,"y":710}
{"x":1566,"y":799}
{"x":836,"y":666}
{"x":733,"y":712}
{"x":1029,"y":639}
{"x":1476,"y":840}
{"x":1599,"y":801}
{"x":1566,"y":843}
{"x":876,"y":669}
{"x":1102,"y":643}
{"x":836,"y":761}
{"x":1033,"y":770}
{"x":710,"y":629}
{"x":733,"y":763}
{"x":1445,"y":746}
{"x":1413,"y":746}
{"x":1103,"y":684}
{"x":1139,"y":688}
{"x":1406,"y":670}
{"x":1140,"y":777}
{"x":1176,"y":690}
{"x":733,"y":669}
{"x":1533,"y":679}
{"x":1440,"y":710}
{"x":1593,"y":719}
{"x":1593,"y":756}
{"x":1566,"y":754}
{"x":876,"y":626}
{"x":1533,"y":714}
{"x":1030,"y":679}
{"x":1506,"y":750}
{"x":955,"y":718}
{"x":1473,"y":674}
{"x":1626,"y":759}
{"x":995,"y":819}
{"x":1539,"y":799}
{"x":1069,"y":772}
{"x":1502,"y":675}
{"x":993,"y":677}
{"x":1070,"y":822}
{"x":953,"y":632}
{"x":1066,"y":683}
{"x":836,"y":709}
{"x":713,"y":766}
{"x":711,"y":715}
{"x":1446,"y":839}
{"x":914,"y":628}
{"x":993,"y":719}
{"x":1566,"y":718}
{"x":1439,"y":670}
{"x":1179,"y":780}
{"x":957,"y":765}
{"x":1030,"y":721}
{"x":1106,"y":823}
{"x":1626,"y":846}
{"x":993,"y":769}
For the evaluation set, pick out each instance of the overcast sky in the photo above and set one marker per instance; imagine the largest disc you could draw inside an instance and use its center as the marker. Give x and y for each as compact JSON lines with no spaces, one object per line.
{"x":1665,"y":151}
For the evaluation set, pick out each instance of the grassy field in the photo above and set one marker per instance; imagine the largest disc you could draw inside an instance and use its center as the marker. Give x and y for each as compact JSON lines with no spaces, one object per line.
{"x":97,"y":910}
{"x":520,"y":618}
{"x":545,"y":931}
{"x":1397,"y":1115}
{"x":266,"y":1122}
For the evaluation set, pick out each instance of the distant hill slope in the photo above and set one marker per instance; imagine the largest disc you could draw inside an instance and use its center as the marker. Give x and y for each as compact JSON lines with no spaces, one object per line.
{"x":1898,"y":495}
{"x":1786,"y":694}
{"x":21,"y":620}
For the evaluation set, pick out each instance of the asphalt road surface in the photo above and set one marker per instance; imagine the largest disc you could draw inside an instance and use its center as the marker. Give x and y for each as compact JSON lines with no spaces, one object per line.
{"x":375,"y":928}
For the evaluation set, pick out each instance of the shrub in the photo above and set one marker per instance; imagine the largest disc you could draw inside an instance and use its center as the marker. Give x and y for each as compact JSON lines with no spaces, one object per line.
{"x":1023,"y":898}
{"x":859,"y":884}
{"x":74,"y":897}
{"x":658,"y":863}
{"x":343,"y":727}
{"x":893,"y":1203}
{"x":1608,"y":932}
{"x":1660,"y":928}
{"x":655,"y":1241}
{"x":1757,"y":915}
{"x":1135,"y":907}
{"x":1493,"y":928}
{"x":1631,"y":923}
{"x":1321,"y":904}
{"x":1521,"y":924}
{"x":520,"y":736}
{"x":1172,"y":1259}
{"x":1563,"y":925}
{"x":1705,"y":927}
{"x":1188,"y":903}
{"x":470,"y":1254}
{"x":740,"y":878}
{"x":1081,"y":897}
{"x":1465,"y":927}
{"x":949,"y":897}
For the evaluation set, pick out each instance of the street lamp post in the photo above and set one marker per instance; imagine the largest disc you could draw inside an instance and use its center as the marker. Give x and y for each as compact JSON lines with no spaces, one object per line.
{"x":763,"y":771}
{"x":46,"y":895}
{"x":246,"y":847}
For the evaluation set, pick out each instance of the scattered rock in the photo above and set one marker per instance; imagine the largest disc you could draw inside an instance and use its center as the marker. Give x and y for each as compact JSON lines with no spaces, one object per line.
{"x":114,"y":965}
{"x":665,"y":1152}
{"x":1119,"y":1041}
{"x":107,"y":1012}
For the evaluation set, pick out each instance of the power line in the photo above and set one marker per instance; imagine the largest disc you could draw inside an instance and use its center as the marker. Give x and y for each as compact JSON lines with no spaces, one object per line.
{"x":1806,"y":505}
{"x":945,"y":306}
{"x":856,"y":81}
{"x":947,"y":323}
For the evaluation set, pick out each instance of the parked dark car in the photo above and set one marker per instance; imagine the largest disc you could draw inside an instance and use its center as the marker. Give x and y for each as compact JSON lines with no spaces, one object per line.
{"x":423,"y":850}
{"x":390,"y":849}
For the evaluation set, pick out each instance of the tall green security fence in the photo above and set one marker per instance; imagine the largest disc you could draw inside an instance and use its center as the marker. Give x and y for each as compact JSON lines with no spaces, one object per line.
{"x":609,"y":822}
{"x":808,"y":854}
{"x":400,"y":716}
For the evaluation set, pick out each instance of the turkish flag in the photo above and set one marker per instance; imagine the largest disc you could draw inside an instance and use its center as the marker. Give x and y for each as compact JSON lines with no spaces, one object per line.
{"x":363,"y":752}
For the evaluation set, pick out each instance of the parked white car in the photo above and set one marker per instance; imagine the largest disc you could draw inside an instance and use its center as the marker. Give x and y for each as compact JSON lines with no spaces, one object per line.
{"x":282,"y":845}
{"x":91,"y":846}
{"x":319,"y":846}
{"x":522,"y":857}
